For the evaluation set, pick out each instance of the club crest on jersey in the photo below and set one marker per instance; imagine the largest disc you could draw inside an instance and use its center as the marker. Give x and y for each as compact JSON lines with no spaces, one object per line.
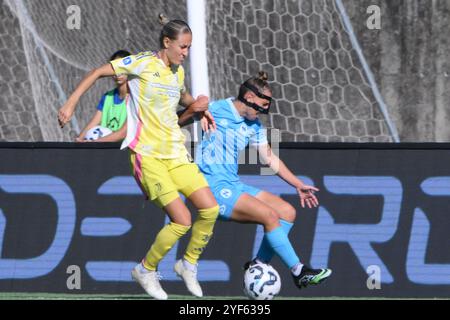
{"x":226,"y":193}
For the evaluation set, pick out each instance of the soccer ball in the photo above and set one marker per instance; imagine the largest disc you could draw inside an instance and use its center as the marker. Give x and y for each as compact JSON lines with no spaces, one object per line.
{"x":96,"y":133}
{"x":261,"y":282}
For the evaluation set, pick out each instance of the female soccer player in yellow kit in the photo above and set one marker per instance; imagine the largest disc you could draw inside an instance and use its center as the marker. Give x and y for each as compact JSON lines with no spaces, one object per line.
{"x":160,"y":162}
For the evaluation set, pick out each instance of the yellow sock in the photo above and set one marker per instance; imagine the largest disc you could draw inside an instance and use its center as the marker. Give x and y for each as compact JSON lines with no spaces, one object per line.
{"x":164,"y":241}
{"x":202,"y":230}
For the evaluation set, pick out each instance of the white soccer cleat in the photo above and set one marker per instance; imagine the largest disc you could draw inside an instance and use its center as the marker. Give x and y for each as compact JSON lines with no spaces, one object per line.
{"x":189,"y":277}
{"x":149,"y":281}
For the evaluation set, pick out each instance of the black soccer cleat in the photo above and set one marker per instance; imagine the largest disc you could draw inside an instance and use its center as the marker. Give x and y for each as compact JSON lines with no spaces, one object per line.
{"x":311,"y":276}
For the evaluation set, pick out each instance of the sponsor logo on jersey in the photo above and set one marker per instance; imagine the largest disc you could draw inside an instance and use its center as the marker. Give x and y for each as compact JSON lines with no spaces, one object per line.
{"x":222,"y":209}
{"x":127,"y":61}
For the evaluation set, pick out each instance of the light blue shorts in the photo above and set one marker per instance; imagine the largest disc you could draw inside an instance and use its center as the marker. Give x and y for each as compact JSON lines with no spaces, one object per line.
{"x":227,"y":194}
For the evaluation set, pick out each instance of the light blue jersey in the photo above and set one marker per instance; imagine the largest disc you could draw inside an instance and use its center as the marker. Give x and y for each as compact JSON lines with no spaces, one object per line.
{"x":218,"y":154}
{"x":218,"y":159}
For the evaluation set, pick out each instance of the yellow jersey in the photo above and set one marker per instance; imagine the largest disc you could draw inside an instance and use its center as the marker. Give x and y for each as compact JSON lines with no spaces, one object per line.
{"x":155,"y":91}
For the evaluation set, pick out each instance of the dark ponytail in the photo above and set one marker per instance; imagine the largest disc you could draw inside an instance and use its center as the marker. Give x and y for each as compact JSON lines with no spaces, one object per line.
{"x":263,"y":76}
{"x":256,"y":85}
{"x":259,"y":82}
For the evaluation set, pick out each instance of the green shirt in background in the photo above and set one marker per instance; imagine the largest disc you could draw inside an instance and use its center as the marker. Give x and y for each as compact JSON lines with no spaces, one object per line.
{"x":114,"y":110}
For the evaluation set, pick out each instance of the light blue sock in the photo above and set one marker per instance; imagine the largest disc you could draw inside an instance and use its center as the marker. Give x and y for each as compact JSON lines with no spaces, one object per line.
{"x":280,"y":244}
{"x":265,"y":252}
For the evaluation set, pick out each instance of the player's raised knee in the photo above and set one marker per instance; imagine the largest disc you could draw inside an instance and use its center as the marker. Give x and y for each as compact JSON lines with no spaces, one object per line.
{"x":271,"y":219}
{"x":185,"y":221}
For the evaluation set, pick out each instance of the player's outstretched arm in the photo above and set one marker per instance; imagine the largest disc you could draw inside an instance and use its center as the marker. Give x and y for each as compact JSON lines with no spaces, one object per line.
{"x":65,"y":113}
{"x":305,"y":192}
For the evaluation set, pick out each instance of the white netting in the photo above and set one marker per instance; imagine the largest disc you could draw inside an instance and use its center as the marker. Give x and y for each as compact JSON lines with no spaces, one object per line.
{"x":57,"y":57}
{"x":321,"y":90}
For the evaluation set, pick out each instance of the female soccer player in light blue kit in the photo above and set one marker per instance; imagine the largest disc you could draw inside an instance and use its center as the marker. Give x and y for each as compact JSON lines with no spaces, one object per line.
{"x":237,"y":125}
